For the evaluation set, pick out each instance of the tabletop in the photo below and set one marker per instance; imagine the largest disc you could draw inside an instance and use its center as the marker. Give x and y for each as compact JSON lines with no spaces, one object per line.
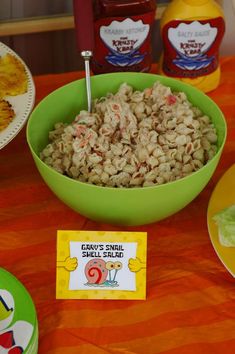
{"x":190,"y":305}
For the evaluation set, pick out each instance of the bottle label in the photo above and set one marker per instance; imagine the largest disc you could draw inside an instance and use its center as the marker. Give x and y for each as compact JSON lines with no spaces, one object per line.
{"x":191,"y":48}
{"x":123,"y":44}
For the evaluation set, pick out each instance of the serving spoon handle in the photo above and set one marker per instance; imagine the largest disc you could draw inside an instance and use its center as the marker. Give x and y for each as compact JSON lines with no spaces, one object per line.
{"x":83,"y":16}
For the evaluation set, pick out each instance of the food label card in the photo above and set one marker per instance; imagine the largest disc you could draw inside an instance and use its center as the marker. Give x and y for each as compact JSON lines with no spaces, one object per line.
{"x":101,"y":265}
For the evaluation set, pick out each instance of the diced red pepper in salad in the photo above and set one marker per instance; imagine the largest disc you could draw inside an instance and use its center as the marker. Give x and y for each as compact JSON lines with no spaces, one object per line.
{"x":171,"y":99}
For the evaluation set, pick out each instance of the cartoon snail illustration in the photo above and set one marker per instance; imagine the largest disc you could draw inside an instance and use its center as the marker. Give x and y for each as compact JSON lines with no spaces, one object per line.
{"x":99,"y":273}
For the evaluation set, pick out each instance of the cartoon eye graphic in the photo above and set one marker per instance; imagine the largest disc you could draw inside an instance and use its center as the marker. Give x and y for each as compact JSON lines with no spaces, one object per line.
{"x":109,"y":265}
{"x":117,"y":265}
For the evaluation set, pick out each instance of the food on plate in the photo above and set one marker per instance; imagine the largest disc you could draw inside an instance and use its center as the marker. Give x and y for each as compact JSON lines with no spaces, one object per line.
{"x":225,"y":219}
{"x":13,"y":78}
{"x":133,"y":139}
{"x":6,"y":114}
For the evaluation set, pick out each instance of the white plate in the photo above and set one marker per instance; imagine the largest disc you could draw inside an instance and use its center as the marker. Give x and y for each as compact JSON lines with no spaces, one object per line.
{"x":22,"y":104}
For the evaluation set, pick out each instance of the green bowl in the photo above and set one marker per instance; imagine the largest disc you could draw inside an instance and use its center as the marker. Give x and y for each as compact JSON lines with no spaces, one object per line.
{"x":122,"y":206}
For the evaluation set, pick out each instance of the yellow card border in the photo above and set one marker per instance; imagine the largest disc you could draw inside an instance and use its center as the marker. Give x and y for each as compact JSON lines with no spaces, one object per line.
{"x":62,"y":275}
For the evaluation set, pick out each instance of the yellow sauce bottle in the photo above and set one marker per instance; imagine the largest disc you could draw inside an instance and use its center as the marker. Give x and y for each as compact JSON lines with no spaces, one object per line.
{"x":192,"y":31}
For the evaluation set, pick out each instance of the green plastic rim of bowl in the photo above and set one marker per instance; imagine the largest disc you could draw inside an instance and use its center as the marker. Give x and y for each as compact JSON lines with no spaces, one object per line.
{"x":122,"y":206}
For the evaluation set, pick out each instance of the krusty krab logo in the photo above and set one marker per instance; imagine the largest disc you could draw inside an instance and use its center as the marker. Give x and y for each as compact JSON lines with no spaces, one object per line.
{"x":124,"y":45}
{"x":192,"y":42}
{"x":192,"y":48}
{"x":123,"y":40}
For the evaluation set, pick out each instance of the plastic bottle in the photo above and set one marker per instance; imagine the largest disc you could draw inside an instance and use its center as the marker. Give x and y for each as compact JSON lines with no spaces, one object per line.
{"x":192,"y":31}
{"x":122,"y":35}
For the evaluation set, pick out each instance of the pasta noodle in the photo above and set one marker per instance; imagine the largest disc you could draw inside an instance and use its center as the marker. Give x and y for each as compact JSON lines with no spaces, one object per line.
{"x":133,"y":139}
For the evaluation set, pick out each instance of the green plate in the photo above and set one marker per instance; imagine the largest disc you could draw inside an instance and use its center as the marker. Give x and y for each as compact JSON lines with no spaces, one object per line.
{"x":18,"y":319}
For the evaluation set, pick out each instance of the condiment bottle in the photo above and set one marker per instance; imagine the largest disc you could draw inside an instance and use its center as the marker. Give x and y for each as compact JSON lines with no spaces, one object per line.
{"x":122,"y":35}
{"x":192,"y":31}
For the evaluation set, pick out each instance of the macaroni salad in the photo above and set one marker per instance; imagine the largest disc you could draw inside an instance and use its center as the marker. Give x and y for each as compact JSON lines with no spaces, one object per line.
{"x":133,"y":139}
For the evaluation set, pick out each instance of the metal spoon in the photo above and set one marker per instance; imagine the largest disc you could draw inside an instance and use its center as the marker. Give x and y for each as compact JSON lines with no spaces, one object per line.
{"x":83,"y":16}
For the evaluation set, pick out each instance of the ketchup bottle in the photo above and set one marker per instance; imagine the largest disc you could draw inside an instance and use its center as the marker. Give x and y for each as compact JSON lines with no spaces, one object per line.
{"x":122,"y":35}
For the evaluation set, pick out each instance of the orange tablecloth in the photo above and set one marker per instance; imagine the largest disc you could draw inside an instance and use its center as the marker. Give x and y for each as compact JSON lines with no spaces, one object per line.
{"x":190,"y":306}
